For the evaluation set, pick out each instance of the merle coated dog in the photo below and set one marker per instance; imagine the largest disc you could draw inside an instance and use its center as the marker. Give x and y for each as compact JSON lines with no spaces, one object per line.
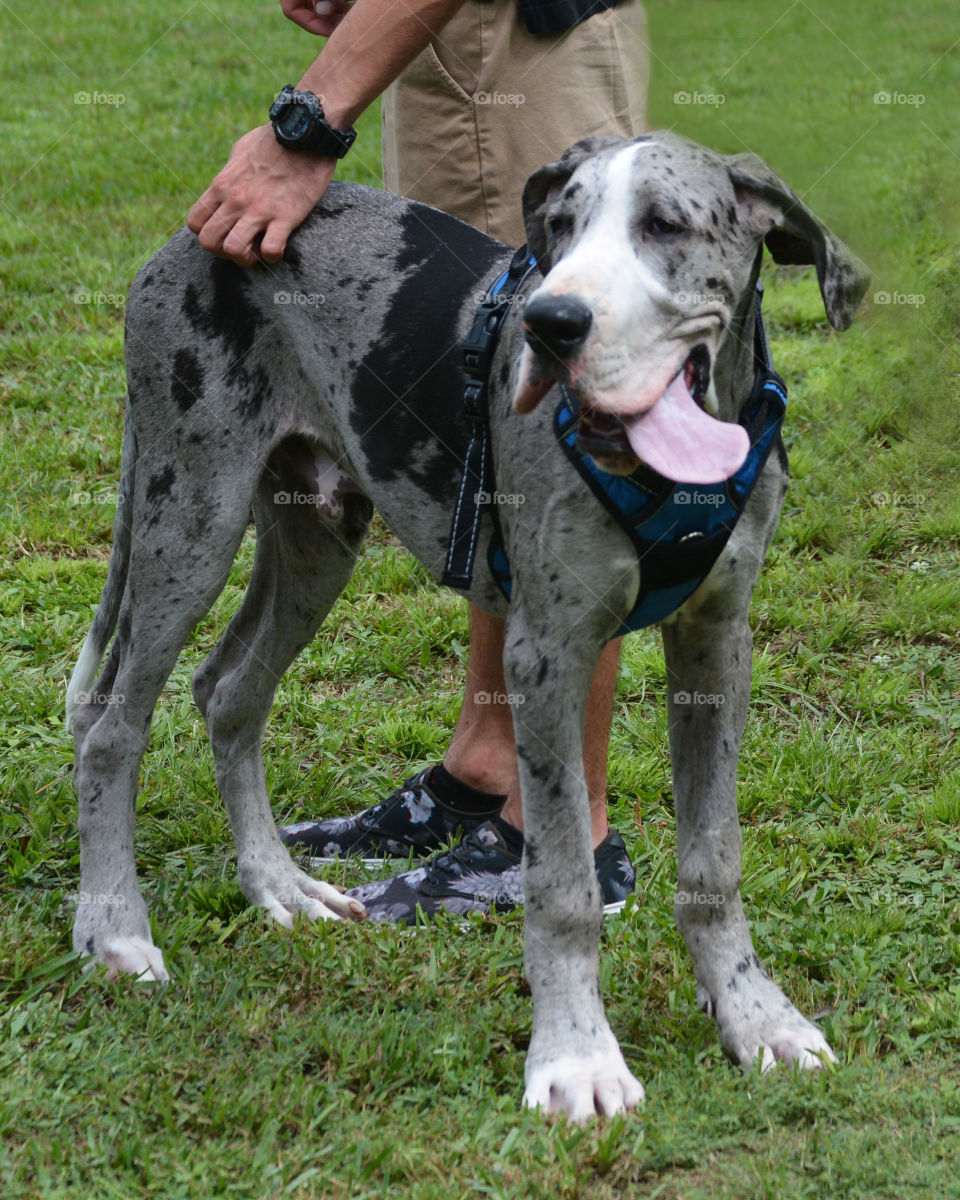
{"x":335,"y":379}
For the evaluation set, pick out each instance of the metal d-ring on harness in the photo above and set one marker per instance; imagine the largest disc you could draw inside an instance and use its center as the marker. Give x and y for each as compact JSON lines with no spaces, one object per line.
{"x":678,"y":529}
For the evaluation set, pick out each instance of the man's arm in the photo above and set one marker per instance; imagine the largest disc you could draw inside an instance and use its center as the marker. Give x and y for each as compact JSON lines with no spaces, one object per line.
{"x":266,"y":189}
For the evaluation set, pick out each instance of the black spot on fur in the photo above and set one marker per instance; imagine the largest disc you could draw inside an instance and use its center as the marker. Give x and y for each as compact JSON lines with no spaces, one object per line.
{"x":227,"y":316}
{"x":186,"y":386}
{"x":161,"y":484}
{"x":326,"y":210}
{"x":408,"y":390}
{"x":124,"y":626}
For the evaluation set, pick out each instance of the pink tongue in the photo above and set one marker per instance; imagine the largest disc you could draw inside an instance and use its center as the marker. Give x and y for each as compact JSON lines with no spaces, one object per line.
{"x":678,"y":439}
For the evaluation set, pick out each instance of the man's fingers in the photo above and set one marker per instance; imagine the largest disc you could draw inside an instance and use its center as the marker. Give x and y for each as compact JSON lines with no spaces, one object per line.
{"x":240,"y":242}
{"x":264,"y":189}
{"x":319,"y":25}
{"x":215,"y":230}
{"x":320,"y":18}
{"x":275,"y":240}
{"x":203,"y":209}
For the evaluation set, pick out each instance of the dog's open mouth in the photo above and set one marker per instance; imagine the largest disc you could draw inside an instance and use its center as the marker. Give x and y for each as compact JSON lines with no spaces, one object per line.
{"x":676,"y":437}
{"x":603,"y":435}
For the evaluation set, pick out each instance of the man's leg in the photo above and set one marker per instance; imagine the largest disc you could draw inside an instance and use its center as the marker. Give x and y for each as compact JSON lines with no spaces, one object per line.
{"x":482,"y":752}
{"x":474,"y":165}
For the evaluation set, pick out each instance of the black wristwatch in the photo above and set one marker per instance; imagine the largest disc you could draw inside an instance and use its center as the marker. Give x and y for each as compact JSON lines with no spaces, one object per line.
{"x":299,"y":124}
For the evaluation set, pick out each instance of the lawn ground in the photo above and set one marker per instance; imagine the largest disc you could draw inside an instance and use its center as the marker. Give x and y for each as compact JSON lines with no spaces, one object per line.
{"x":354,"y":1062}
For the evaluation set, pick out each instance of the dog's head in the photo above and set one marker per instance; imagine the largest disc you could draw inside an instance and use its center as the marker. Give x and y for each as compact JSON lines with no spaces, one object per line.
{"x":647,"y":248}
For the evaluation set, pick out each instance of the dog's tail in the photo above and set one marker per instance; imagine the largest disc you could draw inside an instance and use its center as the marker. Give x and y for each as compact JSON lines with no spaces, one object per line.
{"x":105,"y":619}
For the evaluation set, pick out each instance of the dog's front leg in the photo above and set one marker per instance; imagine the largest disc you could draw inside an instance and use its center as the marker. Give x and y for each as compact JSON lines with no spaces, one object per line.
{"x":708,"y":647}
{"x":574,"y":1063}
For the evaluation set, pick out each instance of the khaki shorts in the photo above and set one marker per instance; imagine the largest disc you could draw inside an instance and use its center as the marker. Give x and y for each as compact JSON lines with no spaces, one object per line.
{"x":487,"y":103}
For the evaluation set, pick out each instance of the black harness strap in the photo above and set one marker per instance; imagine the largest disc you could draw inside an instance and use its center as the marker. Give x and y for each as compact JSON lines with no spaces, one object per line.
{"x":476,"y":482}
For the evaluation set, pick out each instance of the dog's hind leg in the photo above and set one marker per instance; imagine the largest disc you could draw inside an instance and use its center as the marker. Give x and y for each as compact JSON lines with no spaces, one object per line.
{"x":708,"y":648}
{"x":171,"y":583}
{"x":304,"y":557}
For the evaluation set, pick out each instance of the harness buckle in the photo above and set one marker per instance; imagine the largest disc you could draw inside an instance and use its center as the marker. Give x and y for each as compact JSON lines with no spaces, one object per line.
{"x":481,"y":341}
{"x":474,"y":399}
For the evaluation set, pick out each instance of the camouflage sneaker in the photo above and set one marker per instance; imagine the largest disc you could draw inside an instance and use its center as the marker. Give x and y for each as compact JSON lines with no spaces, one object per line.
{"x":481,"y":873}
{"x":413,"y":819}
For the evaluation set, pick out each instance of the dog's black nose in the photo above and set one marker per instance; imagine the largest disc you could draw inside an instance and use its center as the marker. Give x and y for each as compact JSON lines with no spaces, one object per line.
{"x":557,"y":324}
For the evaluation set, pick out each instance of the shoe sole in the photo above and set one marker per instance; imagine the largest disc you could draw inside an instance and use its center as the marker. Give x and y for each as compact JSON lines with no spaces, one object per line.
{"x":352,"y":858}
{"x":609,"y":910}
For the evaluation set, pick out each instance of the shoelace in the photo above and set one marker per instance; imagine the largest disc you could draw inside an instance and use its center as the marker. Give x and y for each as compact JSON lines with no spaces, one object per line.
{"x":373,"y":815}
{"x":460,"y":854}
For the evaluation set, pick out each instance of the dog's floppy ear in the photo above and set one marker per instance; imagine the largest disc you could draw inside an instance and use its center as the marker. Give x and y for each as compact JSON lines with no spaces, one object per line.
{"x":542,"y":187}
{"x":794,"y":235}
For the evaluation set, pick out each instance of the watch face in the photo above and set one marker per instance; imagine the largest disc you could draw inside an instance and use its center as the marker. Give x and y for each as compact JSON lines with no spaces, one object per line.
{"x":295,"y":122}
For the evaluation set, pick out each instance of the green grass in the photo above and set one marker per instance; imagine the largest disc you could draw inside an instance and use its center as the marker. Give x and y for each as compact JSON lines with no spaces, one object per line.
{"x":352,"y":1062}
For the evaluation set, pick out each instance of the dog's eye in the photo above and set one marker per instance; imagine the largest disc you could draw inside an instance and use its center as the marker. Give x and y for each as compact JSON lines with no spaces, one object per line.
{"x":664,"y":227}
{"x":559,"y":225}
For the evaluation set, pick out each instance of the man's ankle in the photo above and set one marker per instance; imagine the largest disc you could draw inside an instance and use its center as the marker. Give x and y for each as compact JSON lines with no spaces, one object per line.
{"x":484,"y":768}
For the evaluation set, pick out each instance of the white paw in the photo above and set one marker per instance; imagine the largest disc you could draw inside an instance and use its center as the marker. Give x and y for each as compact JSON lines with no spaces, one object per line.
{"x":133,"y":956}
{"x":284,"y":890}
{"x":599,"y":1084}
{"x":763,"y":1027}
{"x":796,"y":1043}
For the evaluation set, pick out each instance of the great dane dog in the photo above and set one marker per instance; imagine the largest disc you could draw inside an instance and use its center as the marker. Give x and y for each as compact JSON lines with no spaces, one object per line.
{"x":334,"y":379}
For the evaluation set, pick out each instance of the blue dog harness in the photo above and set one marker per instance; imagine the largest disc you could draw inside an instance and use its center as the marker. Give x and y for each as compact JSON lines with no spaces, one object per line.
{"x":679,"y":529}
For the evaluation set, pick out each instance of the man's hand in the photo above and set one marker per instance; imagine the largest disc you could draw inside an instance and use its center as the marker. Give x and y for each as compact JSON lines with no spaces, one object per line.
{"x":263,"y":191}
{"x":321,"y":18}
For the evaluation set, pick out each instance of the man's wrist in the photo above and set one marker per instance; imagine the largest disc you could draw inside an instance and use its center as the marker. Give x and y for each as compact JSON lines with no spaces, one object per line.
{"x":336,"y":112}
